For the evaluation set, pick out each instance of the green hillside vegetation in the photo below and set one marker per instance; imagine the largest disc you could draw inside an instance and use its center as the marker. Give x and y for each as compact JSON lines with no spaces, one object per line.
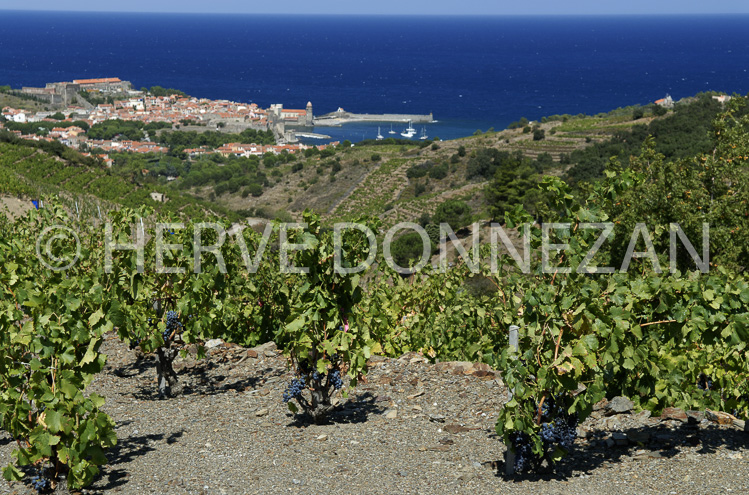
{"x":682,"y":133}
{"x":179,"y":140}
{"x":32,"y":169}
{"x":129,"y":129}
{"x":159,"y":91}
{"x":402,"y":180}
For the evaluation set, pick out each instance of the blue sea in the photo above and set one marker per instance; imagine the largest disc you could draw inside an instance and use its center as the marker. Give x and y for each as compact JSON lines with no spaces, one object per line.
{"x":471,"y":72}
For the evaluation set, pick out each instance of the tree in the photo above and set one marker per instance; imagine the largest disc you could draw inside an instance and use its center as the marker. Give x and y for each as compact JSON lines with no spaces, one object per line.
{"x":538,"y":134}
{"x":408,"y":249}
{"x":486,"y":161}
{"x":255,"y":189}
{"x":159,"y":91}
{"x":659,"y":111}
{"x":513,"y":186}
{"x":518,"y":124}
{"x":439,"y":171}
{"x":454,"y":212}
{"x":424,"y":219}
{"x":638,"y":113}
{"x":433,"y":231}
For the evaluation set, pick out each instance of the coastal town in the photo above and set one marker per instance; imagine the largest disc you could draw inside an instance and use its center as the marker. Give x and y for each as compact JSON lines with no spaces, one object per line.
{"x":95,"y":101}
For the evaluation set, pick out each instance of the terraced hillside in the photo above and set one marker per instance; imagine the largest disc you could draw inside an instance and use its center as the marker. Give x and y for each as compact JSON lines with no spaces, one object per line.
{"x":29,"y":172}
{"x":395,"y":180}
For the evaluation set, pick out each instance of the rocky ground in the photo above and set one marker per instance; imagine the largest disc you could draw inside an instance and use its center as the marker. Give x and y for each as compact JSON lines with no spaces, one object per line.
{"x":412,"y":427}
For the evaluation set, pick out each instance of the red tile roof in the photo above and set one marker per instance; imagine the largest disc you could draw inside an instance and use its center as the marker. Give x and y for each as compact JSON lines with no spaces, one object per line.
{"x":97,"y":81}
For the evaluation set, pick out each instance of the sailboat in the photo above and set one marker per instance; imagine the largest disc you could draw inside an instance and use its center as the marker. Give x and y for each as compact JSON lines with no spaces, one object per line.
{"x":423,"y":133}
{"x":379,"y":135}
{"x":410,"y":131}
{"x":391,"y":130}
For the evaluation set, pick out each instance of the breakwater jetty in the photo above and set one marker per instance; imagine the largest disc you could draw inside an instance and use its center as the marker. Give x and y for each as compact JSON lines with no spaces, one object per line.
{"x":311,"y":135}
{"x":340,"y":117}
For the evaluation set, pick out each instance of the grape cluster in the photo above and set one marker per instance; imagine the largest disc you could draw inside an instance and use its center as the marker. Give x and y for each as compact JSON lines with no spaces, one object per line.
{"x":335,"y":379}
{"x":704,"y":382}
{"x":562,"y":431}
{"x":295,"y":389}
{"x":558,"y":428}
{"x":522,"y":445}
{"x":134,"y":343}
{"x":172,"y":325}
{"x":40,"y":483}
{"x":546,"y":409}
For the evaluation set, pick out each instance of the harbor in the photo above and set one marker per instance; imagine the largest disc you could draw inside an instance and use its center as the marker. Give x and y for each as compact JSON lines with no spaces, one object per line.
{"x":356,"y":131}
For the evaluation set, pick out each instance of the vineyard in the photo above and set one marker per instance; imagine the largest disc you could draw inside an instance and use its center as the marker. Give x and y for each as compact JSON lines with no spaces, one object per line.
{"x":655,"y":329}
{"x":29,"y":172}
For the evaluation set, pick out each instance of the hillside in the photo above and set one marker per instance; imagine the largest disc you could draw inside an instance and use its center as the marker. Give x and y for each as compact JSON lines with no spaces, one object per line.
{"x":397,"y":180}
{"x":373,"y":178}
{"x":84,"y":184}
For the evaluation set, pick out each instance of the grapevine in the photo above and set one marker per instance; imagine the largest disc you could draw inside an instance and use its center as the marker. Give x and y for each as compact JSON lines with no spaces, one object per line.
{"x":324,"y":347}
{"x":52,"y":328}
{"x":320,"y":386}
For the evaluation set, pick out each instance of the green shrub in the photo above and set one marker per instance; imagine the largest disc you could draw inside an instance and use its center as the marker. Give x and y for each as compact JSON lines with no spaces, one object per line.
{"x":408,"y":249}
{"x":454,"y":212}
{"x":439,"y":171}
{"x":255,"y":189}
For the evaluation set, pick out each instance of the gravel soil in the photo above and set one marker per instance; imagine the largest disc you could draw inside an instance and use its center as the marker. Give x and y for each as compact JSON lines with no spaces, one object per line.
{"x":412,"y":428}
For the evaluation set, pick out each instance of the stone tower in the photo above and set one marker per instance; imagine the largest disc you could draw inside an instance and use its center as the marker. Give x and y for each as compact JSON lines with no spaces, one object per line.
{"x":309,"y":118}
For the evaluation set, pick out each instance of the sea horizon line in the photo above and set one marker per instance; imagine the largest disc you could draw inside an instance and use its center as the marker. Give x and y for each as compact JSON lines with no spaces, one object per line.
{"x":404,"y":15}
